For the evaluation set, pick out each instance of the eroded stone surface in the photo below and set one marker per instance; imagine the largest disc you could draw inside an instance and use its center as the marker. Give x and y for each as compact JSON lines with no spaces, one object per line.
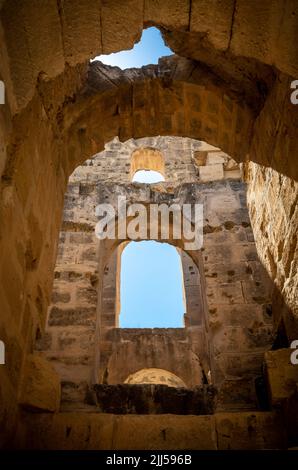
{"x":106,"y":431}
{"x":282,"y":375}
{"x":237,"y":98}
{"x":41,"y":386}
{"x":226,"y":288}
{"x":155,"y":399}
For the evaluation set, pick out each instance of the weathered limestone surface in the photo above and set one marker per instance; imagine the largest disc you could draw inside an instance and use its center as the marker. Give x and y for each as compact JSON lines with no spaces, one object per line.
{"x":249,"y":431}
{"x":154,"y":399}
{"x":23,"y":212}
{"x":282,"y":375}
{"x":228,"y":294}
{"x":165,"y":348}
{"x":238,"y":99}
{"x":238,"y":33}
{"x":272,"y":200}
{"x":87,"y":431}
{"x":41,"y":386}
{"x":83,"y":20}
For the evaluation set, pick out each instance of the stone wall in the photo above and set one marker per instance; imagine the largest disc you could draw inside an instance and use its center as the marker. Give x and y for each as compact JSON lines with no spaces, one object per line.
{"x":185,"y":161}
{"x":272,"y":202}
{"x":228,"y":294}
{"x":249,"y":51}
{"x":41,"y":146}
{"x":72,"y":320}
{"x":171,"y":349}
{"x":95,"y":431}
{"x":176,"y":153}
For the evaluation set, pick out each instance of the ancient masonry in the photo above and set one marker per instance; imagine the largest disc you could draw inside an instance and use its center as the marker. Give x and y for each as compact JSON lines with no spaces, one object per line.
{"x":228,"y":322}
{"x":217,"y":120}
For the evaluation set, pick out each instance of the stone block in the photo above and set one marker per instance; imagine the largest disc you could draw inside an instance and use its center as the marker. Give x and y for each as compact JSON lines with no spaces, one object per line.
{"x":215,"y":158}
{"x":165,"y":432}
{"x":249,"y":431}
{"x":236,"y":392}
{"x":243,"y":339}
{"x":62,"y":297}
{"x":69,"y":431}
{"x":233,"y":174}
{"x":72,"y":316}
{"x":282,"y":376}
{"x":223,"y":206}
{"x":96,"y":431}
{"x":87,"y":295}
{"x":256,"y":291}
{"x":236,"y":315}
{"x":240,"y":365}
{"x":81,"y":19}
{"x":167,"y":13}
{"x":41,"y":385}
{"x":213,"y":20}
{"x":200,"y":157}
{"x":122,"y":24}
{"x":224,"y":293}
{"x":211,"y":172}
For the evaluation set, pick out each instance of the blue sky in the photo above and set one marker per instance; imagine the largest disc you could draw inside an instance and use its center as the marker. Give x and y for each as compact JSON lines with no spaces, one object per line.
{"x":150,"y":48}
{"x":151,"y":291}
{"x":147,"y":176}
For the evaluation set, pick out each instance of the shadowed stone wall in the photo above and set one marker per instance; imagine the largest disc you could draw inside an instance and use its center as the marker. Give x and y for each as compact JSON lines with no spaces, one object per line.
{"x":273,"y":207}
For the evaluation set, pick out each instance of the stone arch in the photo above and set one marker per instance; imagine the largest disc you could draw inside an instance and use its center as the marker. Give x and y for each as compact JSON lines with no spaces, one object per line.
{"x":240,"y":36}
{"x":216,"y":231}
{"x":113,"y":26}
{"x":200,"y":110}
{"x":147,"y":159}
{"x":107,"y":249}
{"x":155,"y":376}
{"x":109,"y":245}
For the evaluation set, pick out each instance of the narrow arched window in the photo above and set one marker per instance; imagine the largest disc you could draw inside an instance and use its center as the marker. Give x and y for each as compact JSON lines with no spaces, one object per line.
{"x":147,"y":166}
{"x":151,"y":286}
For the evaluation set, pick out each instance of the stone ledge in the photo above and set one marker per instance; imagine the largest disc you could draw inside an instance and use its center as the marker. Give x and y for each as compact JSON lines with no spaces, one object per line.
{"x":152,"y":398}
{"x":98,"y":431}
